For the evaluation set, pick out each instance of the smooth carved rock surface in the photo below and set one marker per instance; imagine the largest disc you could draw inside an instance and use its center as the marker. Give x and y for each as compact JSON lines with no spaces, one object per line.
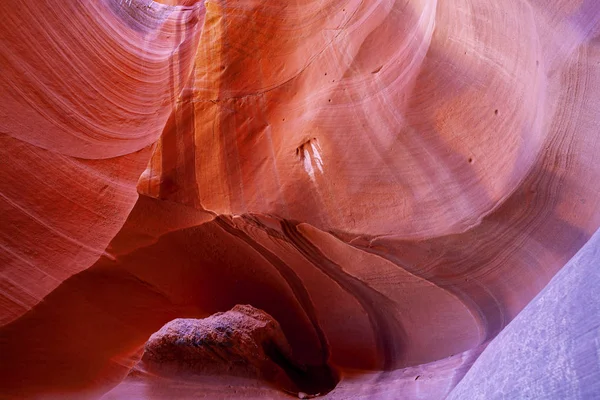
{"x":551,"y":350}
{"x":85,"y":91}
{"x":393,"y":181}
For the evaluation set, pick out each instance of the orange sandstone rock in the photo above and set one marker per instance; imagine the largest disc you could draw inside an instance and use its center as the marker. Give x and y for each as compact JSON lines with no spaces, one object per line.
{"x":393,"y":181}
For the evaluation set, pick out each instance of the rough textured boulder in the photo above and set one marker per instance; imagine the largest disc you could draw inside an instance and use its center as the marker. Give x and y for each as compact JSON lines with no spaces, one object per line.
{"x":393,"y":181}
{"x":243,"y":342}
{"x":236,"y":342}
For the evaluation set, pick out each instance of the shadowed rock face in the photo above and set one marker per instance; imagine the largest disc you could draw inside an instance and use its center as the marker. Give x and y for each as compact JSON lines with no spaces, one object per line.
{"x":392,"y":181}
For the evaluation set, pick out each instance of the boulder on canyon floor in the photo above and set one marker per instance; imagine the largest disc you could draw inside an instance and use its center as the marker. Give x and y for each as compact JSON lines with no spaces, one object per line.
{"x":244,"y":341}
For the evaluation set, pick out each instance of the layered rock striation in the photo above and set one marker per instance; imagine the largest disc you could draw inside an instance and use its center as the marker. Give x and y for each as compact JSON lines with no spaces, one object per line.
{"x":392,"y":181}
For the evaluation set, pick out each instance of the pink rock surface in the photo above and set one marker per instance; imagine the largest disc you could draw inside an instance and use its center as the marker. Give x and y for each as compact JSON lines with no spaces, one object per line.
{"x":391,"y":181}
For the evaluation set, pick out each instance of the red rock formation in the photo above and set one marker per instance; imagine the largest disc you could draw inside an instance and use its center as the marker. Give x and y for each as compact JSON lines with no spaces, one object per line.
{"x":85,"y":92}
{"x":392,"y":181}
{"x":243,"y":342}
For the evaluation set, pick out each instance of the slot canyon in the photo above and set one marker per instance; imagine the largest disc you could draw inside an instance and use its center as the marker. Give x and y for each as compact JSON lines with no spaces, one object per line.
{"x":337,"y":199}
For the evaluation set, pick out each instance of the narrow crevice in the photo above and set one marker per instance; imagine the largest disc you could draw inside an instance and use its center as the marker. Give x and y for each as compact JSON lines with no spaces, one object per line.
{"x":313,"y":380}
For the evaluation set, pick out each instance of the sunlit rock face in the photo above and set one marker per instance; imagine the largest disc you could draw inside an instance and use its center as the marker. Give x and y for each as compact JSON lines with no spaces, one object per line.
{"x":392,"y":182}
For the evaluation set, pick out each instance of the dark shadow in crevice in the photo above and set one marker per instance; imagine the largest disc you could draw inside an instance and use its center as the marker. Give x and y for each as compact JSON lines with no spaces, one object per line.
{"x":313,"y":380}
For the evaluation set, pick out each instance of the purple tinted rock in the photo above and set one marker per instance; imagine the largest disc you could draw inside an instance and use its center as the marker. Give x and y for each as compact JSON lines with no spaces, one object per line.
{"x":551,"y":350}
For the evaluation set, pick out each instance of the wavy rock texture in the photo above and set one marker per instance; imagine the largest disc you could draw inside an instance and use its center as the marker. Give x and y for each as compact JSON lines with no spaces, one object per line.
{"x":391,"y":181}
{"x":85,"y":92}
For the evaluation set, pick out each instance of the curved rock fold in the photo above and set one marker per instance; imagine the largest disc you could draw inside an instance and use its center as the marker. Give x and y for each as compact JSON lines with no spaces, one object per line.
{"x":385,"y":185}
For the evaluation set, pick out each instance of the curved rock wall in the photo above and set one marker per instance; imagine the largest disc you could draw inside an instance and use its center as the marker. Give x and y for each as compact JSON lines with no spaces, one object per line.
{"x":393,"y":181}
